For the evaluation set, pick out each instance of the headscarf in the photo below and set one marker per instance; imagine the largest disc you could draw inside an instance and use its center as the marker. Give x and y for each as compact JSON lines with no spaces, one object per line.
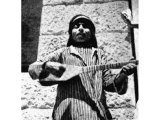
{"x":88,"y":44}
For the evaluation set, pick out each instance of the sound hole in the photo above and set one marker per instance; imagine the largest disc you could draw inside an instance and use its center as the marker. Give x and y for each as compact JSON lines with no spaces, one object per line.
{"x":58,"y":73}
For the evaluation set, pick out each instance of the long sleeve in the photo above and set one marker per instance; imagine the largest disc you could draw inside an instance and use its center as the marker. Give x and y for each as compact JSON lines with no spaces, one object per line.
{"x":114,"y":82}
{"x":36,"y":70}
{"x":121,"y":83}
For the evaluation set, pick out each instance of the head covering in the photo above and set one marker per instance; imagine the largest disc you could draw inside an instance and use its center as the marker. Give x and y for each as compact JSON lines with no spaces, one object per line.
{"x":83,"y":18}
{"x":92,"y":42}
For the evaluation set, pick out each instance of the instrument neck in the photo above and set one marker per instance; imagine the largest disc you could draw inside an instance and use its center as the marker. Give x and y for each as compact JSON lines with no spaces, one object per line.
{"x":108,"y":66}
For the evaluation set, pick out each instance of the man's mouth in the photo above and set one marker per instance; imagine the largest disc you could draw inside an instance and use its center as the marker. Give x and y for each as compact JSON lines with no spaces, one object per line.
{"x":81,"y":35}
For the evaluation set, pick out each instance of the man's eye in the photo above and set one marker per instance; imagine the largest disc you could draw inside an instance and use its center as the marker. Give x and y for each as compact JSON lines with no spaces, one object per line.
{"x":75,"y":26}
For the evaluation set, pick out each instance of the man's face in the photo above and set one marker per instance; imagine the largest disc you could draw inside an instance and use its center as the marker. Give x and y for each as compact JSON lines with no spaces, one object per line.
{"x":81,"y":32}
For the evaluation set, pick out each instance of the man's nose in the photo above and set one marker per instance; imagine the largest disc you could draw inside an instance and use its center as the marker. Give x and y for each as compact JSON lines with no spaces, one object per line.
{"x":81,"y":28}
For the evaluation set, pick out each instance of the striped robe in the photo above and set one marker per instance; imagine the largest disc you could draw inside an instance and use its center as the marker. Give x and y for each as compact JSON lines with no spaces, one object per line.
{"x":83,"y":96}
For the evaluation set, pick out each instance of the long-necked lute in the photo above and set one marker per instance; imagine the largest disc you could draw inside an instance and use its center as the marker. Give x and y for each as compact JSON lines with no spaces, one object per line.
{"x":72,"y":70}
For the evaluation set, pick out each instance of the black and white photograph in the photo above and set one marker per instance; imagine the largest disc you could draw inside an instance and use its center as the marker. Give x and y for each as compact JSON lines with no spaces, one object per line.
{"x":79,"y":59}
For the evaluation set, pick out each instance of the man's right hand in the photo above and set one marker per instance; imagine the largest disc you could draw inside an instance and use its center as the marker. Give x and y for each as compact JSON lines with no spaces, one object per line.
{"x":55,"y":68}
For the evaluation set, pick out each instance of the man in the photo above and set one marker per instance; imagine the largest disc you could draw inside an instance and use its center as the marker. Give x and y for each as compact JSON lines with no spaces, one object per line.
{"x":83,"y":96}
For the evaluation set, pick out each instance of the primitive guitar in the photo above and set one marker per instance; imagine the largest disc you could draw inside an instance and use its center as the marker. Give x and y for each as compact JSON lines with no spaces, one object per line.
{"x":69,"y":71}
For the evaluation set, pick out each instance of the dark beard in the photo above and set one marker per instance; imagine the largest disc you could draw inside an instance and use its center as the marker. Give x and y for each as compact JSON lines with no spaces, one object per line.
{"x":86,"y":44}
{"x":82,"y":44}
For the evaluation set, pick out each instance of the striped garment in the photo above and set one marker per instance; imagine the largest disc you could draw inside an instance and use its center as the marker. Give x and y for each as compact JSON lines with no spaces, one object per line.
{"x":83,"y":96}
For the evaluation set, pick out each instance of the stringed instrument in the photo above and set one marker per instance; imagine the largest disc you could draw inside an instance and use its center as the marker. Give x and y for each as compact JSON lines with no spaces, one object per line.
{"x":70,"y":71}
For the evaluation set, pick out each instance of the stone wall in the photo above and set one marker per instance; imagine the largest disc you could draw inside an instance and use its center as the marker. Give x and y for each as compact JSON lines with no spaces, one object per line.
{"x":112,"y":35}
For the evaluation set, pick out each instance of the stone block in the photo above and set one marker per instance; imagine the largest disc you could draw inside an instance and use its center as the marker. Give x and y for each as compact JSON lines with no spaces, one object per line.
{"x":50,"y":43}
{"x":33,"y":95}
{"x":61,"y":2}
{"x":115,"y":45}
{"x":124,"y":114}
{"x":101,"y":1}
{"x":122,"y":101}
{"x":106,"y":17}
{"x":37,"y":114}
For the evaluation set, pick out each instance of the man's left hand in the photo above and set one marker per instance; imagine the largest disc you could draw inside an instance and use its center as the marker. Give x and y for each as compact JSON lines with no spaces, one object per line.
{"x":129,"y":69}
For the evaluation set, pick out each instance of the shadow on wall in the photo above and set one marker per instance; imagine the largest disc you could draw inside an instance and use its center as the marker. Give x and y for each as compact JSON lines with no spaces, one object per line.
{"x":31,"y":18}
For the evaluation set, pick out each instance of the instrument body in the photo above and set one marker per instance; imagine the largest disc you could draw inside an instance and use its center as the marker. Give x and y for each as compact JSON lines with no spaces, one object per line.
{"x":72,"y":70}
